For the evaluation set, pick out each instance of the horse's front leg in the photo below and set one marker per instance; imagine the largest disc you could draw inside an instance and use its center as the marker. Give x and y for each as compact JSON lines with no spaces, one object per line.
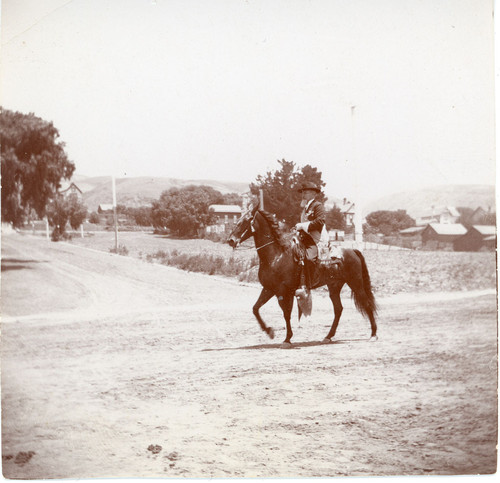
{"x":264,"y":296}
{"x":286,"y":304}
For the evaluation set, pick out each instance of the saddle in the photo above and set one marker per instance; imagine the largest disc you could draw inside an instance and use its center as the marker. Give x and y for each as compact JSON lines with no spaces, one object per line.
{"x":323,"y":253}
{"x":313,"y":260}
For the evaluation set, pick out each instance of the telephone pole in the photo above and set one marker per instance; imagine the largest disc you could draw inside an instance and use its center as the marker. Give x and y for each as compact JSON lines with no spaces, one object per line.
{"x":114,"y":212}
{"x":358,"y":208}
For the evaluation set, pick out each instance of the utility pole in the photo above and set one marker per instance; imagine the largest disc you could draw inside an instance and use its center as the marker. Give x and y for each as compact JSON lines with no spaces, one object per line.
{"x":261,"y":203}
{"x":358,"y":208}
{"x":114,"y":212}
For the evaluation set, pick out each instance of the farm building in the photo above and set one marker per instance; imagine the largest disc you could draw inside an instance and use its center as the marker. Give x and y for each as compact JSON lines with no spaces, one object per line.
{"x":446,"y":215}
{"x":105,"y":208}
{"x":442,"y":235}
{"x":481,"y":217}
{"x":412,"y":231}
{"x":226,"y":217}
{"x":477,"y":238}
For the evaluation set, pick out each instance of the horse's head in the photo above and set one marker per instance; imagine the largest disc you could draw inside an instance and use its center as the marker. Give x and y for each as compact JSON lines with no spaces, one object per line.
{"x":243,"y":229}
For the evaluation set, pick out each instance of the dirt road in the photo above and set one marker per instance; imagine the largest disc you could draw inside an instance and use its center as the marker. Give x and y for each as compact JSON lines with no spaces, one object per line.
{"x":115,"y":367}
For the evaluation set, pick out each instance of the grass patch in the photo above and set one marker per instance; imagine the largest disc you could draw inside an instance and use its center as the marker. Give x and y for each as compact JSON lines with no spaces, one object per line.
{"x":244,"y":270}
{"x":121,"y":250}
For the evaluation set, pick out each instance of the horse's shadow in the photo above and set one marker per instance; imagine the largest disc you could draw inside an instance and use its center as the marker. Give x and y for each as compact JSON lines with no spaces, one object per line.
{"x":297,"y":345}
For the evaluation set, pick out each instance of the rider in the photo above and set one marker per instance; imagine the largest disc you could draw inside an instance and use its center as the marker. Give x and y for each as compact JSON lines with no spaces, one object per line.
{"x":312,"y":222}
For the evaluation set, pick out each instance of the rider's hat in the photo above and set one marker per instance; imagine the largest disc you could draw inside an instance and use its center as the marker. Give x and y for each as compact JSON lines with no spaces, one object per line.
{"x":308,"y":185}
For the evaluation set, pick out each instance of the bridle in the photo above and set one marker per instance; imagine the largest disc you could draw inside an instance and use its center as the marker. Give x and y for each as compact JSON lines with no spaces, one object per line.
{"x":253,"y":231}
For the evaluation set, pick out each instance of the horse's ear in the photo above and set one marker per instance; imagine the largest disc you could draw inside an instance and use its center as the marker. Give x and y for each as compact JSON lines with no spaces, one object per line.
{"x":252,"y":205}
{"x":255,"y":203}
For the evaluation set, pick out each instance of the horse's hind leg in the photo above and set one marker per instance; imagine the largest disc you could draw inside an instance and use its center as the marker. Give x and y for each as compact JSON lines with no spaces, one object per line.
{"x":373,"y":324}
{"x":286,"y":304}
{"x":264,"y":297}
{"x":334,"y":291}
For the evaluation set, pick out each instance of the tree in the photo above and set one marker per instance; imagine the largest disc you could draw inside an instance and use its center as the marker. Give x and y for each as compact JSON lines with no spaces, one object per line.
{"x":62,"y":210}
{"x":141,"y":215}
{"x":33,"y":164}
{"x":280,"y":188}
{"x":185,"y":210}
{"x":389,"y":222}
{"x":335,"y":219}
{"x":77,"y":212}
{"x":94,"y":218}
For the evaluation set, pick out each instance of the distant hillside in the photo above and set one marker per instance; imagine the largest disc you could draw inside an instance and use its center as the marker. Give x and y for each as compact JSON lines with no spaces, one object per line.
{"x":141,"y":191}
{"x":419,"y":202}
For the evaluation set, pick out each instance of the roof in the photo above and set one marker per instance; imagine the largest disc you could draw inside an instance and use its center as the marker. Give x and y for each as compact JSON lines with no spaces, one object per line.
{"x":448,"y":228}
{"x":486,"y":230}
{"x":67,"y":186}
{"x":236,"y":209}
{"x":106,"y":207}
{"x":412,"y":229}
{"x":347,"y":208}
{"x":453,"y":211}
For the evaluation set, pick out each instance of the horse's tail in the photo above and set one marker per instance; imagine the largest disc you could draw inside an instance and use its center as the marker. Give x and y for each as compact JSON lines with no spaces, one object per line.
{"x":364,"y":300}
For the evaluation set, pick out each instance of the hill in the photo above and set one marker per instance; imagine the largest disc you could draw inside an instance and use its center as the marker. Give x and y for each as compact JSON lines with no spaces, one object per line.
{"x":141,"y":191}
{"x":419,"y":202}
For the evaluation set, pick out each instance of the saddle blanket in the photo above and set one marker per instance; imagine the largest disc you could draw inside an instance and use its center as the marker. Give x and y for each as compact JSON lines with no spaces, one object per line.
{"x":329,"y":252}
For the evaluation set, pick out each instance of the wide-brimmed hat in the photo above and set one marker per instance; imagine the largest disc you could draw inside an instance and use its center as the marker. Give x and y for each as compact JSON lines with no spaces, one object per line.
{"x":308,"y":185}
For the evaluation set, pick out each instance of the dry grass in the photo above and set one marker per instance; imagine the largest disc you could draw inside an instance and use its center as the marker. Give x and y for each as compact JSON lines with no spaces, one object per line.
{"x":391,"y":272}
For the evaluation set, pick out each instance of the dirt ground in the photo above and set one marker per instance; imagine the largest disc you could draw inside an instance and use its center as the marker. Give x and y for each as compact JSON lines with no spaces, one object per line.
{"x":114,"y":367}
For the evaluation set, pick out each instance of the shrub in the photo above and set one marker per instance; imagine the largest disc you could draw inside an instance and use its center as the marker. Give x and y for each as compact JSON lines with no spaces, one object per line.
{"x":121,"y":250}
{"x":205,"y":263}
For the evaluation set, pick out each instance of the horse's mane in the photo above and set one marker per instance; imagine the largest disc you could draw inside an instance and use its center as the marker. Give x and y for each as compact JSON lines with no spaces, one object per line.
{"x":275,"y":230}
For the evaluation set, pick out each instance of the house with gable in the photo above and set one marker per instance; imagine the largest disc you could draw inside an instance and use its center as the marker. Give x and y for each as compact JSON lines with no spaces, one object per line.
{"x":226,"y":217}
{"x":347,"y":209}
{"x":68,"y":189}
{"x":445,"y":215}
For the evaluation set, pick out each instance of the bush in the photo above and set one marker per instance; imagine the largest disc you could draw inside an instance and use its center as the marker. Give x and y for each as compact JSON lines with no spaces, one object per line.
{"x":206,"y":263}
{"x":121,"y":250}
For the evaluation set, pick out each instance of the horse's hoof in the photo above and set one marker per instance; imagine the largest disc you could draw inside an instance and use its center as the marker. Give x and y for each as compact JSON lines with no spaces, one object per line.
{"x":270,"y":332}
{"x":286,"y":345}
{"x":326,"y":340}
{"x":373,"y":338}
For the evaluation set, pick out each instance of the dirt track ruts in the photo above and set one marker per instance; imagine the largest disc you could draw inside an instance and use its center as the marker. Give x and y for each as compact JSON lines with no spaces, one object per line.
{"x":105,"y":356}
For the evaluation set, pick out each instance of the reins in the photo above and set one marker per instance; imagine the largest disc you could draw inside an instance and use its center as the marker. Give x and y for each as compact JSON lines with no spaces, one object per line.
{"x":262,"y":246}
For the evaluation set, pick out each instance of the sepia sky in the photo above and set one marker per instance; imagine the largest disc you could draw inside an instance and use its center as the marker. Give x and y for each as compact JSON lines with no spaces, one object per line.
{"x":222,"y":89}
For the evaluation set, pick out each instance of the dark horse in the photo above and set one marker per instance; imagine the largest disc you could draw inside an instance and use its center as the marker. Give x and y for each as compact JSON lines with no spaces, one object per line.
{"x":279,"y":273}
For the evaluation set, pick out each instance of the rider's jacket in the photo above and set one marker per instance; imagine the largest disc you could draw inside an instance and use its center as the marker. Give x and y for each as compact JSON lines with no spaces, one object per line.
{"x":314,"y":215}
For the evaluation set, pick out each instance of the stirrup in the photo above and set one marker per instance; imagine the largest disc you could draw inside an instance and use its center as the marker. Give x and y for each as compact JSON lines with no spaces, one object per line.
{"x":302,"y":291}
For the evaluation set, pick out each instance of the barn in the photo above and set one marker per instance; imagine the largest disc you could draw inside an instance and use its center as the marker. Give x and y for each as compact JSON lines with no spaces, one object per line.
{"x":442,"y":236}
{"x":477,"y":238}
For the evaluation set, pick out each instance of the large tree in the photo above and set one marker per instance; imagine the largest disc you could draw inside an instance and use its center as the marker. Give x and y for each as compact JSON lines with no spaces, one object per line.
{"x":185,"y":210}
{"x":389,"y":222}
{"x":280,"y":188}
{"x":33,"y":164}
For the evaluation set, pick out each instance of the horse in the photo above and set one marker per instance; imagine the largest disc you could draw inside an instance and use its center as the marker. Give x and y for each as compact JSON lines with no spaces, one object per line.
{"x":279,"y":273}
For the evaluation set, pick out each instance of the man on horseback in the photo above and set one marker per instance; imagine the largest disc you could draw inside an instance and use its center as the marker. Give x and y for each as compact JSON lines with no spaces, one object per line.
{"x":310,"y":228}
